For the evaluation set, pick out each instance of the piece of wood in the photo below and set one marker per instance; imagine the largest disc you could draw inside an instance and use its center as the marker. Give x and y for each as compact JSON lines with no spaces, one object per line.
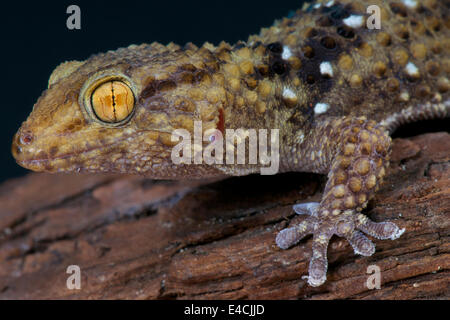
{"x":134,"y":238}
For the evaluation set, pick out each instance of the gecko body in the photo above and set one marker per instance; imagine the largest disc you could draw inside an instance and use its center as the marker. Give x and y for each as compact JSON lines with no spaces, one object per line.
{"x":334,"y":89}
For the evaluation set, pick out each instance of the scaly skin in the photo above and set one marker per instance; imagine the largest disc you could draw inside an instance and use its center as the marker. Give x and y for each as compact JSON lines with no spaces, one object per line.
{"x":334,"y":89}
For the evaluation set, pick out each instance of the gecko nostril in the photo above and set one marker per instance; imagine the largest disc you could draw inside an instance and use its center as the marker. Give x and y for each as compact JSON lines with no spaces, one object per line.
{"x":26,"y":138}
{"x":16,"y":150}
{"x":16,"y":147}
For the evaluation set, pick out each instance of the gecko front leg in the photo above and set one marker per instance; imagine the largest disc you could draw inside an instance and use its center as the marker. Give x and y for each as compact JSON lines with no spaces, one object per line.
{"x":357,"y":163}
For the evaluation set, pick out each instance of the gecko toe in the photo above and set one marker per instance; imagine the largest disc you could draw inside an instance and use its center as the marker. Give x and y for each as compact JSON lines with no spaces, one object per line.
{"x":361,"y":244}
{"x":379,"y":230}
{"x":291,"y":236}
{"x":317,"y":273}
{"x":309,"y":208}
{"x":318,"y":265}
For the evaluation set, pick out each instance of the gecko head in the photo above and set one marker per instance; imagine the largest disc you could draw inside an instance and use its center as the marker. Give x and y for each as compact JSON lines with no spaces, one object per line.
{"x":116,"y":112}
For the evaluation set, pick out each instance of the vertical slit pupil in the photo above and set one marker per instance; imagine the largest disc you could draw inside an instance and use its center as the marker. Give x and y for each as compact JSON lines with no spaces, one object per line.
{"x":113,"y":101}
{"x":112,"y":94}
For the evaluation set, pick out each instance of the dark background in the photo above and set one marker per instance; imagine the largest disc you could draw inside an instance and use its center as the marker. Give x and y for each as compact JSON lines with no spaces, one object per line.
{"x":34,"y":40}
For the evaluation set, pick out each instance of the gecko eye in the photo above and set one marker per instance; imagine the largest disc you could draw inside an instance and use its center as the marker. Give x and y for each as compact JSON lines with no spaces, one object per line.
{"x":112,"y":101}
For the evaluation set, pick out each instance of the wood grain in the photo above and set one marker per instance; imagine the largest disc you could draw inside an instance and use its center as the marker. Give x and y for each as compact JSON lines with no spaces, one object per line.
{"x":136,"y":238}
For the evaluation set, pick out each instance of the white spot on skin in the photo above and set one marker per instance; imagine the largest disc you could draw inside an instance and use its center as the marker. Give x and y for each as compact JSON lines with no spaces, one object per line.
{"x":286,"y":53}
{"x":437,"y":97}
{"x":326,"y":68}
{"x":411,"y":69}
{"x":354,"y":21}
{"x":317,"y":5}
{"x":321,"y":108}
{"x":410,"y":3}
{"x":289,"y":94}
{"x":329,"y":3}
{"x":404,"y":96}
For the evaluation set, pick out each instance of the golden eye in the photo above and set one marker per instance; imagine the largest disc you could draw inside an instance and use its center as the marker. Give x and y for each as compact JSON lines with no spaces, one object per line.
{"x":112,"y":101}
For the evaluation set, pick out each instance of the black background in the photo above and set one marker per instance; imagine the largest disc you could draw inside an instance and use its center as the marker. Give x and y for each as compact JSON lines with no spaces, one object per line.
{"x":34,"y":40}
{"x":174,"y":309}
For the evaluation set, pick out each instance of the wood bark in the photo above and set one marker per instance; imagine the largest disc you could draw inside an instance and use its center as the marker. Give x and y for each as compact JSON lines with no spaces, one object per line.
{"x":136,"y":238}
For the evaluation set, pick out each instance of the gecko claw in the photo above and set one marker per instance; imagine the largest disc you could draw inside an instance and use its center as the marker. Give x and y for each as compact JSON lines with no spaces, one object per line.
{"x":309,"y":208}
{"x":317,"y":274}
{"x":397,"y":234}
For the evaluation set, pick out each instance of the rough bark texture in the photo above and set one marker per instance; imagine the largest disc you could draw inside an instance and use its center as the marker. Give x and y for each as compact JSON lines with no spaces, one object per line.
{"x":135,"y":238}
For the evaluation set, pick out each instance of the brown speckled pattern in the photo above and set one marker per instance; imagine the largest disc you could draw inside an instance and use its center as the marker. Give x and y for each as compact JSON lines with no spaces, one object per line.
{"x":334,"y":89}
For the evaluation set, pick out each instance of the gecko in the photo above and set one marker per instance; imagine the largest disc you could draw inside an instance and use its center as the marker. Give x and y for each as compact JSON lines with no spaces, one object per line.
{"x":333,"y":87}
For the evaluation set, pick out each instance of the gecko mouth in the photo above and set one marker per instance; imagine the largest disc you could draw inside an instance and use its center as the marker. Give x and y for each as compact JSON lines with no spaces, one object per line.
{"x":49,"y":161}
{"x":39,"y":164}
{"x":47,"y":164}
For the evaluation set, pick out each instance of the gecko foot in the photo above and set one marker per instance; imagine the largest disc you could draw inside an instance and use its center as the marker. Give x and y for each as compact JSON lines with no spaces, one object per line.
{"x":355,"y":172}
{"x":323,"y":226}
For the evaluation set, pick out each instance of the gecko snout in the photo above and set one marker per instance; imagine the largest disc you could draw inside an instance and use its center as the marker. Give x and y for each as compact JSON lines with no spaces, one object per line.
{"x":22,"y":142}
